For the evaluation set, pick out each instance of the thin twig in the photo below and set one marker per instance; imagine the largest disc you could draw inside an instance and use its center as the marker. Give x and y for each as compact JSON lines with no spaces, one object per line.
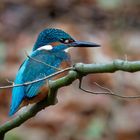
{"x":59,"y":71}
{"x":38,"y":80}
{"x":9,"y":81}
{"x":110,"y":92}
{"x":106,"y":92}
{"x":125,"y":58}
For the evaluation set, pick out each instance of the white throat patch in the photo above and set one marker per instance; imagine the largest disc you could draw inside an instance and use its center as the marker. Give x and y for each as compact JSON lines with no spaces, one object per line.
{"x":66,"y":50}
{"x":46,"y":47}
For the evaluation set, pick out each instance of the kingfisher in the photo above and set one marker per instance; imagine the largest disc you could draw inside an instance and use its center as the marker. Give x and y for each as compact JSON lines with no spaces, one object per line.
{"x":50,"y":48}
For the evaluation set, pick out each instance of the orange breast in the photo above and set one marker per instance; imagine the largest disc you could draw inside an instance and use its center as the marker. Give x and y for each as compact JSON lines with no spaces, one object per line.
{"x":40,"y":96}
{"x":63,"y":65}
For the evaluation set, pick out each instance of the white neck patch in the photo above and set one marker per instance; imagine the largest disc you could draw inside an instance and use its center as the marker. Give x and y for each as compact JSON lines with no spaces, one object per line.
{"x":46,"y":47}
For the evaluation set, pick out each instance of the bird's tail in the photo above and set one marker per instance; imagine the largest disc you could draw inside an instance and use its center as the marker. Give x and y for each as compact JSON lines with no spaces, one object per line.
{"x":17,"y":97}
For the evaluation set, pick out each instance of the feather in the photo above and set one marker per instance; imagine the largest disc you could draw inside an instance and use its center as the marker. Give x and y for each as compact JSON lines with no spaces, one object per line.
{"x":33,"y":89}
{"x":17,"y":92}
{"x":17,"y":97}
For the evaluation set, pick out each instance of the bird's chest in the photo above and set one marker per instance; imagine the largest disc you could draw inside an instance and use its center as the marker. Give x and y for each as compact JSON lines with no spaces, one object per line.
{"x":60,"y":59}
{"x":63,"y":61}
{"x":52,"y":62}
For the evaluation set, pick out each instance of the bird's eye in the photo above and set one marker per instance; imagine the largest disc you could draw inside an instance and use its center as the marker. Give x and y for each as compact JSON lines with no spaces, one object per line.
{"x":66,"y":41}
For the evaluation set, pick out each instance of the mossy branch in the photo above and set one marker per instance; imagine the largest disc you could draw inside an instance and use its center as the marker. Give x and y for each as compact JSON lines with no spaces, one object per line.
{"x":78,"y":71}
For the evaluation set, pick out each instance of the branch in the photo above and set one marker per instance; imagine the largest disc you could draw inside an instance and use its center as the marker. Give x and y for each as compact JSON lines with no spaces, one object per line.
{"x":38,"y":80}
{"x":78,"y":71}
{"x":106,"y":91}
{"x":85,"y":69}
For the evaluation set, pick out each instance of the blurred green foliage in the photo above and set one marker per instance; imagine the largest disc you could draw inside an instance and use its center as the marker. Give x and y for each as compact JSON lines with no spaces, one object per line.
{"x":95,"y":128}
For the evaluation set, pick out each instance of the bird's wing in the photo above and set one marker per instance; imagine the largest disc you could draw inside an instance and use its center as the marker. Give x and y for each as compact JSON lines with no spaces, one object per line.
{"x":36,"y":70}
{"x":17,"y":92}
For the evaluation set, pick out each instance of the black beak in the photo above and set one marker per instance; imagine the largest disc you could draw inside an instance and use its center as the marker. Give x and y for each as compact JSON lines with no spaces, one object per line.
{"x":84,"y":44}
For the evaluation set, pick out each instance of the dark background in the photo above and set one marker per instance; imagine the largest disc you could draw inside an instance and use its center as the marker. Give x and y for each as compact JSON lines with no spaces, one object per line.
{"x":115,"y":24}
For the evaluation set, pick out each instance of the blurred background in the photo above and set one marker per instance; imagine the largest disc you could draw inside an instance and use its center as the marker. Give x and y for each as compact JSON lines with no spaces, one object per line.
{"x":115,"y":24}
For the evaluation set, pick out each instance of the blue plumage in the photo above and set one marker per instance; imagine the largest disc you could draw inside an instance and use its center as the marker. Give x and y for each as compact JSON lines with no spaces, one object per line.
{"x":50,"y":35}
{"x":49,"y":48}
{"x":32,"y":70}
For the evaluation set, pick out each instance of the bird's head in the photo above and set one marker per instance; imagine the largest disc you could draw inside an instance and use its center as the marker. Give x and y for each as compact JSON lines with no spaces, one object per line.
{"x":57,"y":40}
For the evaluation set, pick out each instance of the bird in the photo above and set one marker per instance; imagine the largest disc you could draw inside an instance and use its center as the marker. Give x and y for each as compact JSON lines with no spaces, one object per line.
{"x":50,"y":48}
